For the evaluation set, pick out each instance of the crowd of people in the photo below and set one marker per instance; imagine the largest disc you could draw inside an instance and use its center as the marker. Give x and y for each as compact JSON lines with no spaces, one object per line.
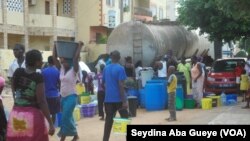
{"x":40,"y":93}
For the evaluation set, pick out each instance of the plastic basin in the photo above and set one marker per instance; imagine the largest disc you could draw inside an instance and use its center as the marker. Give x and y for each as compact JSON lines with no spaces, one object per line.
{"x":66,"y":49}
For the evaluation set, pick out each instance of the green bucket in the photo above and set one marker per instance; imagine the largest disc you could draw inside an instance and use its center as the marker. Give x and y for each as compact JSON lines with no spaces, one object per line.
{"x":179,"y":104}
{"x":189,"y":103}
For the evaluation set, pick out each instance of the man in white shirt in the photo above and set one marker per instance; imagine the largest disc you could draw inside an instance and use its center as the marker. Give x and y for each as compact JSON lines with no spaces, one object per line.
{"x":100,"y":61}
{"x":162,"y":72}
{"x":19,"y":62}
{"x":162,"y":68}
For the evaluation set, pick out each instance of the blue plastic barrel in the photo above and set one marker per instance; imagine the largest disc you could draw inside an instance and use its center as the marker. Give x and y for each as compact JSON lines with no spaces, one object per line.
{"x":142,"y":98}
{"x":154,"y":96}
{"x":179,"y":98}
{"x":164,"y":94}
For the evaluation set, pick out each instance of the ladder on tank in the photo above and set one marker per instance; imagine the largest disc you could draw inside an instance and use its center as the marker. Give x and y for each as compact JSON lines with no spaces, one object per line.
{"x":137,"y":41}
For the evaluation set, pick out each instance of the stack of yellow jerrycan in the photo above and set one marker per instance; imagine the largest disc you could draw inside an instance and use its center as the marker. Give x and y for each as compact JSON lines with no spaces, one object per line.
{"x":84,"y":98}
{"x":206,"y":103}
{"x":244,"y":82}
{"x":216,"y":100}
{"x":80,"y":88}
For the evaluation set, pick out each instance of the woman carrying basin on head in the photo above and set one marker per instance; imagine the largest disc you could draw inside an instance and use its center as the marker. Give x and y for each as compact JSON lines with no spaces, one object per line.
{"x":69,"y":68}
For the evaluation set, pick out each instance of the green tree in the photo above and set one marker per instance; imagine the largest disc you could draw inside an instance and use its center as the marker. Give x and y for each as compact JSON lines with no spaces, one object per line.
{"x":241,"y":54}
{"x":238,"y":9}
{"x":244,"y":44}
{"x":207,"y":16}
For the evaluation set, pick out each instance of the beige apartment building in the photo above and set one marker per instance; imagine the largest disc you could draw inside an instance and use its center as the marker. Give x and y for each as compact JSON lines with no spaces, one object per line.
{"x":99,"y":17}
{"x":35,"y":24}
{"x":38,"y":23}
{"x":104,"y":15}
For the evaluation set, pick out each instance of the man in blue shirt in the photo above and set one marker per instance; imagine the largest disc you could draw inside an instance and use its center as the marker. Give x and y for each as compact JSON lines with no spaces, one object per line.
{"x":115,"y":99}
{"x":51,"y":80}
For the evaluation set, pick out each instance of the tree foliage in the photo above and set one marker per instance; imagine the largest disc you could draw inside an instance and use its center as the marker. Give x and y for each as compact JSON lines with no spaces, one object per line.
{"x":238,"y":9}
{"x":207,"y":16}
{"x":244,"y":44}
{"x":241,"y":54}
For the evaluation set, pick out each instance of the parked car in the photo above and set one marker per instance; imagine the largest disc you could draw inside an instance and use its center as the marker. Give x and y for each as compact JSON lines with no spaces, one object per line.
{"x":221,"y":76}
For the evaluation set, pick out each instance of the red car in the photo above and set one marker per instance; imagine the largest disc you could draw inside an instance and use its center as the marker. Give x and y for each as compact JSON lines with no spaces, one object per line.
{"x":222,"y":77}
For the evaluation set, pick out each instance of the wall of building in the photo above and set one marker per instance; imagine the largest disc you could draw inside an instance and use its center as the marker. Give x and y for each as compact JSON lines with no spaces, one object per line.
{"x":88,"y":16}
{"x":39,"y":20}
{"x":1,"y":41}
{"x":84,"y":56}
{"x":107,"y":13}
{"x":60,"y":7}
{"x":6,"y":58}
{"x":94,"y":50}
{"x":127,"y":16}
{"x":39,"y":8}
{"x":14,"y":39}
{"x":45,"y":55}
{"x":1,"y":15}
{"x":15,"y":18}
{"x":142,"y":3}
{"x":159,"y":4}
{"x":64,"y":39}
{"x":65,"y":23}
{"x":97,"y":29}
{"x":172,"y":10}
{"x":39,"y":42}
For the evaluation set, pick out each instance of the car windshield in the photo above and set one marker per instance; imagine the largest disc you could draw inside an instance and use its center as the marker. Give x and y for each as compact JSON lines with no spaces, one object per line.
{"x":226,"y":65}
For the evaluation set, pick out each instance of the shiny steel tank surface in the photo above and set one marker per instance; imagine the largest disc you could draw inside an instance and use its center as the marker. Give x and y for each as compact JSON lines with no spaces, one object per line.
{"x":155,"y":41}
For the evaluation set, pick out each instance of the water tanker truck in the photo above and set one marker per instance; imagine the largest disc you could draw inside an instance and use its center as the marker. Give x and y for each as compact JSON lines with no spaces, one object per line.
{"x":146,"y":42}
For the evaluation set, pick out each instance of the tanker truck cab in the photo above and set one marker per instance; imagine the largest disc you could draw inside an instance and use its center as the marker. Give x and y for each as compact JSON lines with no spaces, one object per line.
{"x":221,"y":76}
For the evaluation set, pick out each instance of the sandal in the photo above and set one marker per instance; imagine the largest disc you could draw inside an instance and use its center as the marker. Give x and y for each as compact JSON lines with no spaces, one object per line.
{"x":102,"y":118}
{"x":167,"y":118}
{"x":171,"y":119}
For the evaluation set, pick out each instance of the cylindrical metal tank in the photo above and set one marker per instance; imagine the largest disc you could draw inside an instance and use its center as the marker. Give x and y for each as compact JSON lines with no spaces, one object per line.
{"x":147,"y":41}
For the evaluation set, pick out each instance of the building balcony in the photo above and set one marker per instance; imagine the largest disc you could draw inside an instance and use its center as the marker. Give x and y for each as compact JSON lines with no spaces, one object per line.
{"x":39,"y":20}
{"x":65,"y":23}
{"x":140,"y":11}
{"x":15,"y":18}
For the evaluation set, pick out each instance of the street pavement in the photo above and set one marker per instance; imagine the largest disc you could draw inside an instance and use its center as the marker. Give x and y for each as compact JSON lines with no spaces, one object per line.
{"x":91,"y":129}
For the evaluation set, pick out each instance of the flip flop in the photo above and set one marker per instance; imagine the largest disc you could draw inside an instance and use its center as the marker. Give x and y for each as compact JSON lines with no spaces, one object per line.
{"x":171,"y":119}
